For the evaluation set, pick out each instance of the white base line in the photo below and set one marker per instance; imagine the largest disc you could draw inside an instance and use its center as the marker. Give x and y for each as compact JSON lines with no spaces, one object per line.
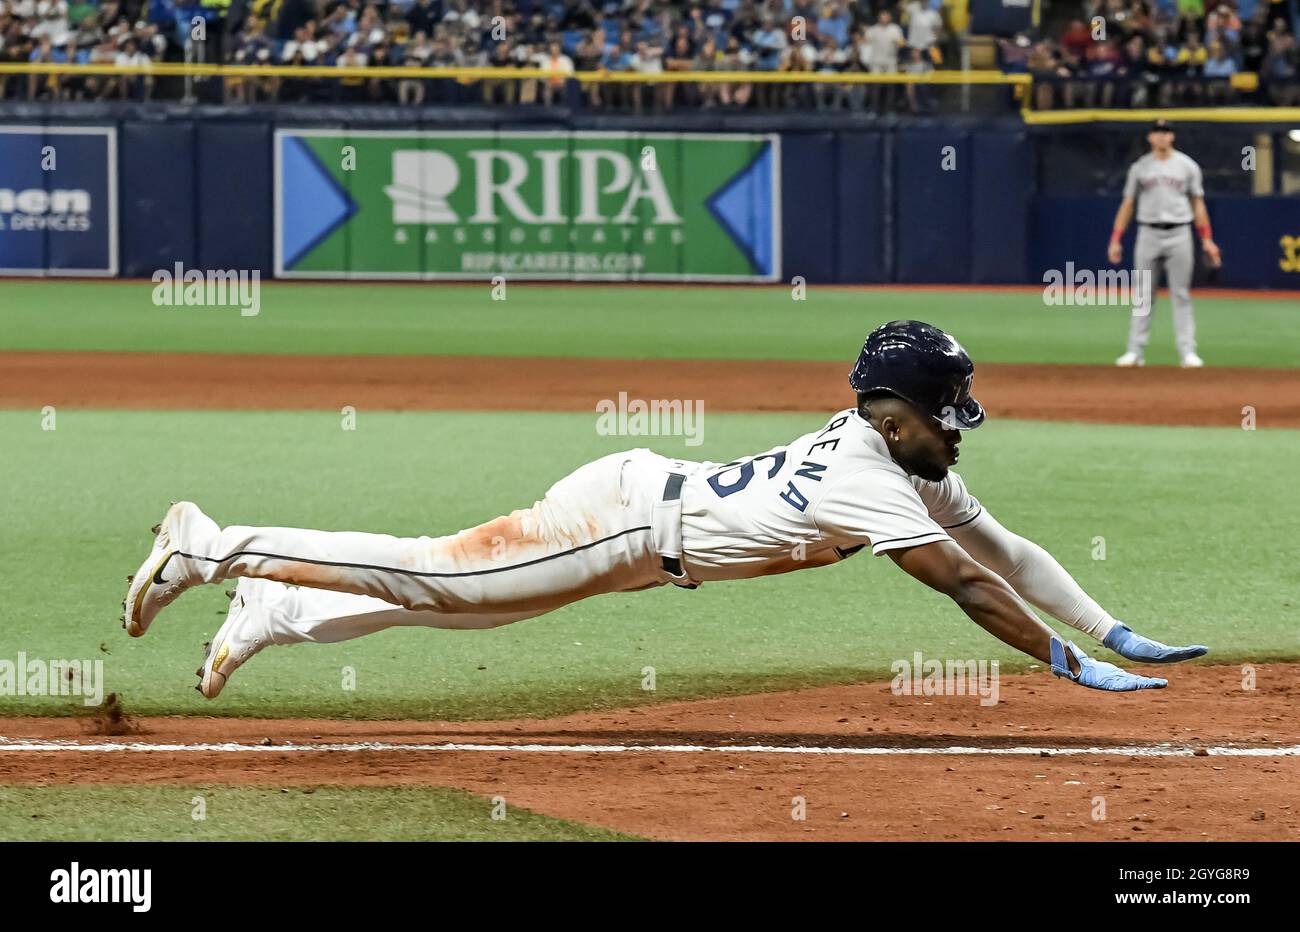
{"x":1160,"y":750}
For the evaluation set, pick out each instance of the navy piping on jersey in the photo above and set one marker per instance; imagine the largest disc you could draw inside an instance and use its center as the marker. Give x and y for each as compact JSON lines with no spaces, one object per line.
{"x":389,"y":569}
{"x":895,"y":540}
{"x":949,"y":527}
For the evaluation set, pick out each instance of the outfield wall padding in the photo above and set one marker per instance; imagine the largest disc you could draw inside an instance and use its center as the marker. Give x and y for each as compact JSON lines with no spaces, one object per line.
{"x":869,"y":200}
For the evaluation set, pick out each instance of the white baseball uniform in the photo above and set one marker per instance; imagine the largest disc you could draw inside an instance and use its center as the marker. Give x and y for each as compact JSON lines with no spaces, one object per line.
{"x":631,"y":521}
{"x":1163,"y":188}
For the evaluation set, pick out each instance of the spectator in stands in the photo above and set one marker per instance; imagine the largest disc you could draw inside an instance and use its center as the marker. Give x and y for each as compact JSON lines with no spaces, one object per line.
{"x":351,"y":89}
{"x":1045,"y":65}
{"x":1076,"y":40}
{"x":1254,"y":42}
{"x":138,"y":87}
{"x":1013,"y":53}
{"x":735,"y":58}
{"x":924,"y":27}
{"x":1165,"y":46}
{"x":648,"y":59}
{"x":1279,"y":69}
{"x":301,"y":49}
{"x":1223,"y":26}
{"x":1103,"y":60}
{"x":834,"y":24}
{"x":918,"y":96}
{"x":799,"y":59}
{"x":41,"y":86}
{"x":618,"y":61}
{"x":681,"y":57}
{"x":51,"y":20}
{"x":1220,"y":65}
{"x":553,"y":59}
{"x":251,"y":47}
{"x":381,"y":90}
{"x":885,"y":41}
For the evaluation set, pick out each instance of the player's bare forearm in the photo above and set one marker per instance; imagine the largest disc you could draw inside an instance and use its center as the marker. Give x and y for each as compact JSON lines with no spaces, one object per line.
{"x":983,"y":595}
{"x":1201,"y":220}
{"x":1114,"y":250}
{"x":1123,"y":215}
{"x":1199,"y":212}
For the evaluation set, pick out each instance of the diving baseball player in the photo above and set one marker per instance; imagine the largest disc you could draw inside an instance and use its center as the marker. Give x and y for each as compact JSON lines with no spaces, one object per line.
{"x":1170,"y":197}
{"x":874,"y":476}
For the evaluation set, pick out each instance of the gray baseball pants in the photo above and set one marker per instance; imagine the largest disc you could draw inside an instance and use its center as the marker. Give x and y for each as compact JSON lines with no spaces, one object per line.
{"x":1173,"y":250}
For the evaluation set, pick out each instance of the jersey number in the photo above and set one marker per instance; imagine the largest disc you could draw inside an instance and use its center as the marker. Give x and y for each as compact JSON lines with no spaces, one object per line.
{"x":746,"y":474}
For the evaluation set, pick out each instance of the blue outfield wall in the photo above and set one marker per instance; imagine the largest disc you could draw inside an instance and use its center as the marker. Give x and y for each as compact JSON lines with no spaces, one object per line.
{"x":919,"y":201}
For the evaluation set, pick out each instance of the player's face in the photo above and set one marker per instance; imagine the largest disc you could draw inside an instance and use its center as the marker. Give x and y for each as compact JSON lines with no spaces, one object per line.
{"x":1161,"y":140}
{"x":922,"y":445}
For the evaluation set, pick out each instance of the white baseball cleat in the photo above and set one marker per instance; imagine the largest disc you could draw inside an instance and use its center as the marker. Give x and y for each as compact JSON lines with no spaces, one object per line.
{"x":166,"y":572}
{"x":1192,"y":361}
{"x":240,"y":636}
{"x":1130,"y":359}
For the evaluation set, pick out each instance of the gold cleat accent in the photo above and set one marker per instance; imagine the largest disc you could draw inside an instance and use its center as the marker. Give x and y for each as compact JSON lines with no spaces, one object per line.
{"x":222,"y":653}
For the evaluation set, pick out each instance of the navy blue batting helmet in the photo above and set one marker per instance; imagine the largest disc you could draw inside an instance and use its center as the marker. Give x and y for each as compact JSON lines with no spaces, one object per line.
{"x":923,"y":365}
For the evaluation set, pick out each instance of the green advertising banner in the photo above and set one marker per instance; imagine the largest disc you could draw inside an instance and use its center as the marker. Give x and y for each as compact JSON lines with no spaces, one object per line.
{"x":563,"y":205}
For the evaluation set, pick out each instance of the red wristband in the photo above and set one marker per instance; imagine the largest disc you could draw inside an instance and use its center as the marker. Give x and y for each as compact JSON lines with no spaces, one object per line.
{"x":1204,"y":231}
{"x":1116,"y":235}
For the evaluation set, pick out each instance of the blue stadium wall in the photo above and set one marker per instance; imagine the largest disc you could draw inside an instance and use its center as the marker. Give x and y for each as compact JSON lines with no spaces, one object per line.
{"x":910,"y":201}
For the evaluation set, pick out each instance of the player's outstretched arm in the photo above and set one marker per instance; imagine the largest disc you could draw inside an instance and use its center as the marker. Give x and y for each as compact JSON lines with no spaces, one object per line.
{"x":1041,"y":580}
{"x":993,"y":605}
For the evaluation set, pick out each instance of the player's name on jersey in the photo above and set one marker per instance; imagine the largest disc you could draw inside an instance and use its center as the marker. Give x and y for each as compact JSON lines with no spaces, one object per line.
{"x":656,"y":417}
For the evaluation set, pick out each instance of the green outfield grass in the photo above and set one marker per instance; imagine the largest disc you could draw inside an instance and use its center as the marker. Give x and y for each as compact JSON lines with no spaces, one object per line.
{"x":291,"y":813}
{"x":1197,"y":524}
{"x":634,"y":322}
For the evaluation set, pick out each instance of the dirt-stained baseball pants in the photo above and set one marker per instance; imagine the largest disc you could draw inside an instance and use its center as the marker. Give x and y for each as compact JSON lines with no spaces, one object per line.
{"x":1171,"y":249}
{"x":603,"y":528}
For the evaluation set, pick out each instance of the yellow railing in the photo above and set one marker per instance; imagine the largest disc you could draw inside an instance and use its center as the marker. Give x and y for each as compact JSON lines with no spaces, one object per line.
{"x":179,"y":69}
{"x":1179,"y":114}
{"x":1022,"y":82}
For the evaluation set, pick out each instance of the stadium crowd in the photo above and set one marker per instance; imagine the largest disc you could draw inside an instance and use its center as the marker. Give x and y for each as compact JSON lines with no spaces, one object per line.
{"x":634,"y":36}
{"x":1114,"y":53}
{"x":1161,"y":53}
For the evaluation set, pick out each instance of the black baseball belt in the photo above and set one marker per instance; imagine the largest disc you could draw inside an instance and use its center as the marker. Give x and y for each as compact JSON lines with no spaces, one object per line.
{"x":1164,"y":226}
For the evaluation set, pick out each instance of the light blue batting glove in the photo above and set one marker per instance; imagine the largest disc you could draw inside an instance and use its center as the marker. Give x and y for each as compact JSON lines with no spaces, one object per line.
{"x":1098,"y":674}
{"x":1124,"y":641}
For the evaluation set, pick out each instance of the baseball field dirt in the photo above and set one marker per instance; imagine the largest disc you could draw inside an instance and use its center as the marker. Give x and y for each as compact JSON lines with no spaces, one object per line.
{"x":1213,"y":757}
{"x":1154,"y":395}
{"x":1193,"y":762}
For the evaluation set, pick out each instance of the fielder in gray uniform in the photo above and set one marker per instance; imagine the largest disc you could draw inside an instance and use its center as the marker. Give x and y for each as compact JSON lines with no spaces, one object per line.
{"x":1166,"y":184}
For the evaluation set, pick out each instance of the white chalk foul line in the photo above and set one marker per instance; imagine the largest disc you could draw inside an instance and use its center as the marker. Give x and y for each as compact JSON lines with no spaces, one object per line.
{"x":1156,"y":750}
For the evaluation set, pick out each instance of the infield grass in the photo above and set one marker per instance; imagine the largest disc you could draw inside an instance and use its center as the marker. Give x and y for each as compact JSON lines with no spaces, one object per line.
{"x":1196,"y":537}
{"x":623,"y":322}
{"x":291,"y":813}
